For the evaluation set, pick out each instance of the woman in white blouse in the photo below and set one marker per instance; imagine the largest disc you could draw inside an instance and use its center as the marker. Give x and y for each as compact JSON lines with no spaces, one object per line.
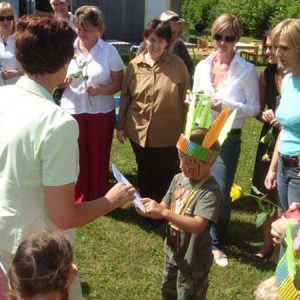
{"x":10,"y":68}
{"x":95,"y":74}
{"x":228,"y":80}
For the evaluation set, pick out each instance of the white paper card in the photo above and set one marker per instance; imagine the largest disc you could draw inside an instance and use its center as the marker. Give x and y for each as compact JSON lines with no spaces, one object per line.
{"x":122,"y":179}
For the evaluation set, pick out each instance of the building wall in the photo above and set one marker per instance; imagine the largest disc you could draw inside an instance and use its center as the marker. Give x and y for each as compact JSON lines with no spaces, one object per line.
{"x":124,"y":19}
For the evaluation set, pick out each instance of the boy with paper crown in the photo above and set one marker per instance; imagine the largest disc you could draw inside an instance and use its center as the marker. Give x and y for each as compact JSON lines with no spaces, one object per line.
{"x":191,"y":205}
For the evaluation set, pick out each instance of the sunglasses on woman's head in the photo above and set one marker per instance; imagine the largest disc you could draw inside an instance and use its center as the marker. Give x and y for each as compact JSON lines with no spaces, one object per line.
{"x":7,"y":18}
{"x":227,"y":39}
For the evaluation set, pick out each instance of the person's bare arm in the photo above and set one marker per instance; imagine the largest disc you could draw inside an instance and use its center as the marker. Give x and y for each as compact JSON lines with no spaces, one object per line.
{"x":270,"y":180}
{"x":65,"y":214}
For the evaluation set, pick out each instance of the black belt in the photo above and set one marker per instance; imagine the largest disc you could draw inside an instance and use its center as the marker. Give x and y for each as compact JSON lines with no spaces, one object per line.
{"x":236,"y":131}
{"x":289,"y":161}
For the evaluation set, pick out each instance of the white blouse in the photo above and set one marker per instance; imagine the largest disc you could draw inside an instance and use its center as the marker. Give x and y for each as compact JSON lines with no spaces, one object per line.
{"x":102,"y":59}
{"x":8,"y":60}
{"x":239,"y":90}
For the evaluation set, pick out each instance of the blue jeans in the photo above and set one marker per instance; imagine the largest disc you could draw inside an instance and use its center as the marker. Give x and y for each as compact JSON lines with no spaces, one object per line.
{"x":223,"y":171}
{"x":288,"y":185}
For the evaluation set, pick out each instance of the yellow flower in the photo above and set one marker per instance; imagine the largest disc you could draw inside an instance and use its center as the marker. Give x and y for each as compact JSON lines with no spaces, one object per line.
{"x":236,"y":192}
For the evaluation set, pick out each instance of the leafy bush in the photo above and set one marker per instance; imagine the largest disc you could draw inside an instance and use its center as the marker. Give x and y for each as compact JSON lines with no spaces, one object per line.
{"x":256,"y":15}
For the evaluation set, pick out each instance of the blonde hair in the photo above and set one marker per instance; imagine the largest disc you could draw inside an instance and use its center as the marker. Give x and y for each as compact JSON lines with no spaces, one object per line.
{"x":227,"y":22}
{"x":288,"y":29}
{"x":267,"y":290}
{"x":89,"y":15}
{"x":4,"y":7}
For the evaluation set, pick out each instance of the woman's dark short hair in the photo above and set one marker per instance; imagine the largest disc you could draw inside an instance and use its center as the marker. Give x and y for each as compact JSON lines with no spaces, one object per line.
{"x":44,"y":43}
{"x":160,"y":28}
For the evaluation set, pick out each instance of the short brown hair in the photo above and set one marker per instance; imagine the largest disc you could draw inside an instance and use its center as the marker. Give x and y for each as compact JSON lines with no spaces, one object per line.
{"x":89,"y":14}
{"x":41,"y":265}
{"x":227,"y":22}
{"x":44,"y":43}
{"x":160,"y":28}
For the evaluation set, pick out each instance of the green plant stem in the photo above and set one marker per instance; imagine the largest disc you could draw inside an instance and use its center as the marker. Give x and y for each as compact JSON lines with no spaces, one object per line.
{"x":262,"y":199}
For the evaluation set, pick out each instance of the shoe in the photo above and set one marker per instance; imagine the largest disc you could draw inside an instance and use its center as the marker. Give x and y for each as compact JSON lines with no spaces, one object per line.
{"x":220,"y":258}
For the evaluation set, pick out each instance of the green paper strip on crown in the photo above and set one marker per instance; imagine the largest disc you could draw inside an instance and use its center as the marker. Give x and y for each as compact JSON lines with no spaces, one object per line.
{"x":196,"y":112}
{"x":205,"y":119}
{"x":291,"y":253}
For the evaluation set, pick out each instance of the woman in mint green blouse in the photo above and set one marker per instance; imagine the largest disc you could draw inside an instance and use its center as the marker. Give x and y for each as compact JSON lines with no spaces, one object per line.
{"x":38,"y":149}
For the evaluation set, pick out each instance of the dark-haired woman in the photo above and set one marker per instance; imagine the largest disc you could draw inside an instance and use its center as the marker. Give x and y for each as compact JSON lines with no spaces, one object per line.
{"x":269,"y":87}
{"x":38,"y":149}
{"x":152,"y":110}
{"x":90,"y":101}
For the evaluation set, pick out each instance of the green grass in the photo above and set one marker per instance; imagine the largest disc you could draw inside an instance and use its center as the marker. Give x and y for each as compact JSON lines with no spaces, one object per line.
{"x":120,"y":259}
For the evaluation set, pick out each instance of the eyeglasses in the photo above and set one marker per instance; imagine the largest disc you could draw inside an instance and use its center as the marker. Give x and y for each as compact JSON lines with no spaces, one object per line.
{"x":227,"y":39}
{"x":7,"y":18}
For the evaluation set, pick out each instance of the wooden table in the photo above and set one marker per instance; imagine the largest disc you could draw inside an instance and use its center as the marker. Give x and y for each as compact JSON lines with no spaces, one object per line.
{"x":249,"y":51}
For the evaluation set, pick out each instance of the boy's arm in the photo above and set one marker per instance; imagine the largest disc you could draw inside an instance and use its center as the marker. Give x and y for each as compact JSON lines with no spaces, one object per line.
{"x":190,"y":224}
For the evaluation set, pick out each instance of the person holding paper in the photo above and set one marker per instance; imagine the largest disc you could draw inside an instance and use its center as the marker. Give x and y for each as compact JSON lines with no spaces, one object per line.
{"x":190,"y":206}
{"x":39,"y":148}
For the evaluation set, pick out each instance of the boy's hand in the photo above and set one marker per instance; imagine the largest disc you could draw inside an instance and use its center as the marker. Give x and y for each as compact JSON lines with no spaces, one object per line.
{"x":152,"y":209}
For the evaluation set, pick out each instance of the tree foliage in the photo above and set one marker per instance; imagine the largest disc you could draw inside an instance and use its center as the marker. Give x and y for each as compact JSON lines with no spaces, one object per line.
{"x":256,"y":15}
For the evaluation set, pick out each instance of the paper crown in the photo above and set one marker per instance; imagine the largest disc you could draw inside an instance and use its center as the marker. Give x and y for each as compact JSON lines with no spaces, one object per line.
{"x":286,"y":270}
{"x":199,"y":116}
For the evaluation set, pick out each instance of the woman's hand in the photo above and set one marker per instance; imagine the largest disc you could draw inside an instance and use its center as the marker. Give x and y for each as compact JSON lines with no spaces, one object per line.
{"x":294,"y":206}
{"x":268,"y":116}
{"x":8,"y":74}
{"x":279,"y":227}
{"x":121,"y":136}
{"x":270,"y":180}
{"x":67,"y":81}
{"x":119,"y":194}
{"x":216,"y":104}
{"x":94,"y":90}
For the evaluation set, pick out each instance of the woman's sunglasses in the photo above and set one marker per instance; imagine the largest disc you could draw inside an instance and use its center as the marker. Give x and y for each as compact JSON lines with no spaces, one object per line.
{"x":7,"y":18}
{"x":227,"y":39}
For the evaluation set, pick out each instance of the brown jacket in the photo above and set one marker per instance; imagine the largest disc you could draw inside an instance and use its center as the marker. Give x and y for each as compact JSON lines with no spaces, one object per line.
{"x":152,"y":109}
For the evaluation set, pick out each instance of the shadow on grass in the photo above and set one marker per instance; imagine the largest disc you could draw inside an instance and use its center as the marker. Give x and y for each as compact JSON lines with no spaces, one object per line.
{"x":129,"y":215}
{"x":245,"y":204}
{"x":86,"y":290}
{"x":240,"y":238}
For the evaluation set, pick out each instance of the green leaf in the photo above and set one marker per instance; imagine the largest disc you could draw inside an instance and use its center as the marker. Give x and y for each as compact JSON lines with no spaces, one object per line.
{"x":260,"y":219}
{"x":257,"y":191}
{"x":85,"y":77}
{"x":267,"y":137}
{"x":272,"y":212}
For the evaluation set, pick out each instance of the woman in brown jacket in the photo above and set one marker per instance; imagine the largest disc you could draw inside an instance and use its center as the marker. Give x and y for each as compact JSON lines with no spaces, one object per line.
{"x":152,"y":110}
